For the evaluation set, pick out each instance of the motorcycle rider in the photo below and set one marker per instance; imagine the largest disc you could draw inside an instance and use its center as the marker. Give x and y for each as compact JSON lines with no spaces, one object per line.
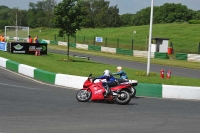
{"x":122,"y":73}
{"x":110,"y":81}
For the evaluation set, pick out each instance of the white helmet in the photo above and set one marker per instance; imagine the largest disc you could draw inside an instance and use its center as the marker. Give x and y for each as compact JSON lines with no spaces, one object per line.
{"x":106,"y":73}
{"x":119,"y":68}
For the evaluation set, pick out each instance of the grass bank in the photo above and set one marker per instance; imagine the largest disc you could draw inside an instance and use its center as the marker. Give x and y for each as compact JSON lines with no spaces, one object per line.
{"x":185,"y":37}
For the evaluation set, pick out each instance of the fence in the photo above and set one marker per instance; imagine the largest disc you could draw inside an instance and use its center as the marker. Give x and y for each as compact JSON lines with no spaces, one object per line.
{"x":132,"y":44}
{"x":107,"y":42}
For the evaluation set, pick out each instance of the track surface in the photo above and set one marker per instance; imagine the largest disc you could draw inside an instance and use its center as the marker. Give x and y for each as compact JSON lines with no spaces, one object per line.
{"x":177,"y":71}
{"x":27,"y":106}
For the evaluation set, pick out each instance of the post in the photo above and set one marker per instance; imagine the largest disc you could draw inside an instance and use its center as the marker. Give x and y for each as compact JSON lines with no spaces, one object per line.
{"x":134,"y":32}
{"x":117,"y":43}
{"x":171,"y":45}
{"x":55,"y":37}
{"x":132,"y":43}
{"x":150,"y":38}
{"x":199,"y":48}
{"x":68,"y":48}
{"x":75,"y":39}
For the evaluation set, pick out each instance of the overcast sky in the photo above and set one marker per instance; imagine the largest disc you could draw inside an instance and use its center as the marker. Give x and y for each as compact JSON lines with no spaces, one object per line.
{"x":125,"y":6}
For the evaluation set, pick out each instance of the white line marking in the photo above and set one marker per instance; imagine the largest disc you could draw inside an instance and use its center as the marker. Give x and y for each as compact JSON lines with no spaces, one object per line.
{"x":18,"y":87}
{"x":34,"y":79}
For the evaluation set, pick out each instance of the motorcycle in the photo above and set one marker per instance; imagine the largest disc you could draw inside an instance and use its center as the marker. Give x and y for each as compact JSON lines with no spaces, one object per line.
{"x":132,"y":84}
{"x":96,"y":92}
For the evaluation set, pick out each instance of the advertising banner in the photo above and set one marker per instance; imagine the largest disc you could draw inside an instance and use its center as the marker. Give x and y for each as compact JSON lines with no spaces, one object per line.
{"x":3,"y":46}
{"x":99,"y":39}
{"x":28,"y":48}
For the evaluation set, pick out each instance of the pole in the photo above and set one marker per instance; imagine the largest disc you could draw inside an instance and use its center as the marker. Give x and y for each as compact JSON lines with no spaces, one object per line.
{"x":16,"y":23}
{"x":150,"y":37}
{"x":199,"y":48}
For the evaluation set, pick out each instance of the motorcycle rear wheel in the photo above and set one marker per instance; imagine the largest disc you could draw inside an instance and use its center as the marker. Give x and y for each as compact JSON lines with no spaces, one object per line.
{"x":123,"y":98}
{"x":83,"y":95}
{"x":133,"y":92}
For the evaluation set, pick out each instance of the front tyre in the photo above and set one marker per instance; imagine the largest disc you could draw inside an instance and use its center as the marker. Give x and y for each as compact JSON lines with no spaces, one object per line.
{"x":83,"y":95}
{"x":123,"y":98}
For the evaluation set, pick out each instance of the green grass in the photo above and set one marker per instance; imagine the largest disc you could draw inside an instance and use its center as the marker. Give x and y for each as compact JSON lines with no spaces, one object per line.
{"x":185,"y":37}
{"x":82,"y":67}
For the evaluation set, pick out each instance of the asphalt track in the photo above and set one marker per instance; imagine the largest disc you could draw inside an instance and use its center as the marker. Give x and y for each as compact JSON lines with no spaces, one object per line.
{"x":27,"y":106}
{"x":176,"y":71}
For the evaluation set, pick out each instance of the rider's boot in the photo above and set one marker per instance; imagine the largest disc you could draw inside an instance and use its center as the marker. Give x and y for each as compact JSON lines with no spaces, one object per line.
{"x":108,"y":91}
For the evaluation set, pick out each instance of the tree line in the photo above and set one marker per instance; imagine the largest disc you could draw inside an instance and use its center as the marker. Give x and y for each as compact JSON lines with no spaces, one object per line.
{"x":98,"y":14}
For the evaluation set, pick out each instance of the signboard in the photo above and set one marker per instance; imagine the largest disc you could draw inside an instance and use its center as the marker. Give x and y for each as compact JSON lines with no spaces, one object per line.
{"x":27,"y":48}
{"x":3,"y":46}
{"x":99,"y":39}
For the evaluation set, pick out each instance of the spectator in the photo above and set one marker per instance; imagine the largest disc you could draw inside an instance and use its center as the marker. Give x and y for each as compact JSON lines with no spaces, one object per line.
{"x":29,"y":39}
{"x":36,"y":40}
{"x":2,"y":38}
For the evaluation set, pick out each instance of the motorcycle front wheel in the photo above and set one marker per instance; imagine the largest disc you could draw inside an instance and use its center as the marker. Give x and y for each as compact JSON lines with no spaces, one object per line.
{"x":123,"y":98}
{"x":83,"y":95}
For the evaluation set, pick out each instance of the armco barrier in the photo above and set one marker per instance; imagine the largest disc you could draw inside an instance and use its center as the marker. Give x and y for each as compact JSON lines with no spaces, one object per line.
{"x":11,"y":65}
{"x":107,"y":49}
{"x":3,"y":62}
{"x":70,"y":80}
{"x":62,"y":43}
{"x":149,"y":90}
{"x":82,"y":46}
{"x":44,"y":76}
{"x":143,"y":89}
{"x":181,"y":56}
{"x":73,"y":45}
{"x":95,"y":48}
{"x":161,"y":55}
{"x":181,"y":92}
{"x":124,"y":51}
{"x":26,"y":70}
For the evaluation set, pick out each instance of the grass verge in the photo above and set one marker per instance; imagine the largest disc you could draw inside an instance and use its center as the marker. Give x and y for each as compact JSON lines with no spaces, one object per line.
{"x":82,"y":67}
{"x":167,"y":62}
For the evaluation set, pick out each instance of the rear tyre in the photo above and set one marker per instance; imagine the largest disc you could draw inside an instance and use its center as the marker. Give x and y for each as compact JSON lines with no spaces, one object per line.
{"x":133,"y":92}
{"x":123,"y":98}
{"x":83,"y":95}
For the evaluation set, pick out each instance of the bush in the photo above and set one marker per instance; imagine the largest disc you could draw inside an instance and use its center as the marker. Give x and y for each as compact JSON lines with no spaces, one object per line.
{"x":194,"y":21}
{"x":145,"y":74}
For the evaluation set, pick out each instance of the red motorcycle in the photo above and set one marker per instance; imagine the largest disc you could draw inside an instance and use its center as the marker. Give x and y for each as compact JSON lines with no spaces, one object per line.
{"x":131,"y":84}
{"x":96,"y":92}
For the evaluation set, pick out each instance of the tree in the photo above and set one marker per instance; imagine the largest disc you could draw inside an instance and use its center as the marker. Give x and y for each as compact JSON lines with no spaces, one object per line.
{"x":48,"y":9}
{"x":69,"y":17}
{"x":127,"y":19}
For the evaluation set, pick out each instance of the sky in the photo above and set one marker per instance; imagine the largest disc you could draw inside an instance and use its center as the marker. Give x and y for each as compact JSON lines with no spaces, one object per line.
{"x":125,"y":6}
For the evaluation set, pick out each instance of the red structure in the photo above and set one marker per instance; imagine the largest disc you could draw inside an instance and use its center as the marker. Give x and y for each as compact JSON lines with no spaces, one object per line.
{"x":162,"y":75}
{"x":168,"y":75}
{"x":37,"y":53}
{"x":169,"y":50}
